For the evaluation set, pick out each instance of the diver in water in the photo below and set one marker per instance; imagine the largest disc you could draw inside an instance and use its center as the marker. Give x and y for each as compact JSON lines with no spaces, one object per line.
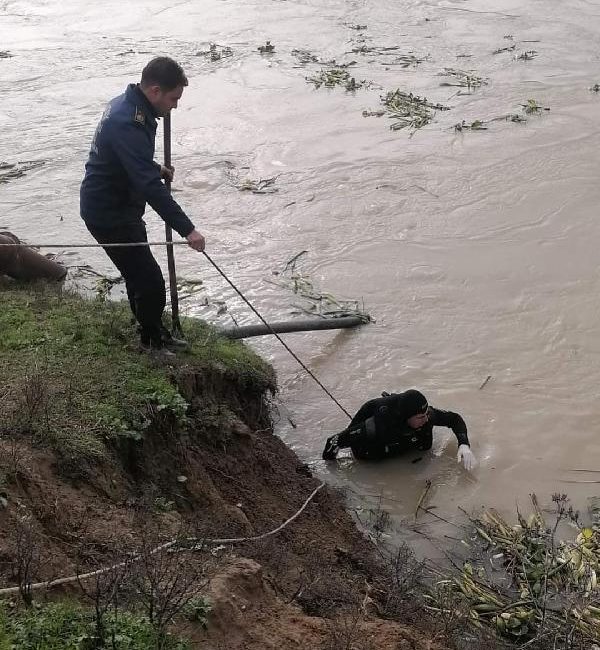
{"x":396,"y":423}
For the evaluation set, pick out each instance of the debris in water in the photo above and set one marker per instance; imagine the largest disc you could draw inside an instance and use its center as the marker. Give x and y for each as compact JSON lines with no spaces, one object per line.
{"x":407,"y":109}
{"x":595,"y":88}
{"x":532,"y":107}
{"x":406,"y":60}
{"x":379,"y":113}
{"x":358,"y":28}
{"x":548,"y":586}
{"x":485,"y":382}
{"x":10,"y":171}
{"x":422,"y":498}
{"x":463,"y":79}
{"x":261,"y":186}
{"x":316,"y":302}
{"x":4,"y":54}
{"x":476,"y":125}
{"x":336,"y":77}
{"x":510,"y":48}
{"x":216,"y":52}
{"x":306,"y":56}
{"x":267,"y":48}
{"x":374,"y":49}
{"x":526,"y":56}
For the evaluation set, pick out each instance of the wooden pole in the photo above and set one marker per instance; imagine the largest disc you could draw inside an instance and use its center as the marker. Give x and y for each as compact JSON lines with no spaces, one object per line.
{"x":304,"y":325}
{"x":175,"y":322}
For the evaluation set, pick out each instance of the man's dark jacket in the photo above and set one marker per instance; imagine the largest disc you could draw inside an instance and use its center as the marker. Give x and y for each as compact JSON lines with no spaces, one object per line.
{"x":121,"y":175}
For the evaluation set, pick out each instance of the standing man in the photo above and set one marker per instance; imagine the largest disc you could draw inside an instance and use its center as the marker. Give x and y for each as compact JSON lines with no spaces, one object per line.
{"x":393,"y":424}
{"x":121,"y":177}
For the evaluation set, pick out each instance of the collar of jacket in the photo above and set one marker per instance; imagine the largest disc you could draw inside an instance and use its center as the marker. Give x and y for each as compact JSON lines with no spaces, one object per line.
{"x":135,"y":95}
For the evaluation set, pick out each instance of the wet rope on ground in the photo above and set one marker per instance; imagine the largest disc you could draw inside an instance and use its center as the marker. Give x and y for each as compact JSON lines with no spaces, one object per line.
{"x":178,"y":243}
{"x":195,"y":544}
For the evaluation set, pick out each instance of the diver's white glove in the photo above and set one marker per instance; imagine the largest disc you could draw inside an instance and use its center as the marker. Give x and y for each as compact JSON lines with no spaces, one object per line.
{"x":467,"y":457}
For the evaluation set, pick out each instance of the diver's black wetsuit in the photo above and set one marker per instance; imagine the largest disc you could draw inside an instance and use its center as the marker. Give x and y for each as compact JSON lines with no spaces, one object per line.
{"x":379,"y":429}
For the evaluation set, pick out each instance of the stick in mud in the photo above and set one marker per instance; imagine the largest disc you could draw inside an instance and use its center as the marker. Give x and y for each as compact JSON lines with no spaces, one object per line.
{"x":422,"y":498}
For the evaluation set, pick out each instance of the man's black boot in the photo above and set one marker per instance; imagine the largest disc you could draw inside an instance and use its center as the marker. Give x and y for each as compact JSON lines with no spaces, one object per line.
{"x":172,"y":342}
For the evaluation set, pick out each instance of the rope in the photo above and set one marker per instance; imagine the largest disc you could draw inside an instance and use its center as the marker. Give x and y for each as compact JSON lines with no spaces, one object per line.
{"x":117,"y":245}
{"x":241,"y":295}
{"x":7,"y":591}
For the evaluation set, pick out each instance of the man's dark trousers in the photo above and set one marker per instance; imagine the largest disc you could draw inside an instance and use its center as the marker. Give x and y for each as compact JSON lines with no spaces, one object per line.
{"x":143,"y":278}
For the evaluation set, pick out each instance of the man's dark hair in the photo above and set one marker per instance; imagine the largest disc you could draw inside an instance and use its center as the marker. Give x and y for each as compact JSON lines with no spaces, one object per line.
{"x":164,"y":72}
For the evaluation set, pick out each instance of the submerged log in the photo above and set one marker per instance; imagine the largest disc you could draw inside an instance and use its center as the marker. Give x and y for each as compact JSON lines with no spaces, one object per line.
{"x":304,"y":325}
{"x":23,"y":263}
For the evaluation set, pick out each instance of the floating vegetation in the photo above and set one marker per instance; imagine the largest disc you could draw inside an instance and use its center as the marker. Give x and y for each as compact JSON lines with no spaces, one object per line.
{"x":409,"y":111}
{"x":463,"y":79}
{"x":510,"y":48}
{"x":216,"y":52}
{"x":4,"y":54}
{"x":267,"y":48}
{"x":336,"y":77}
{"x":513,"y":117}
{"x":532,"y":107}
{"x":526,"y":56}
{"x":373,"y":49}
{"x":316,"y":302}
{"x":406,"y":60}
{"x":305,"y":56}
{"x":261,"y":186}
{"x":482,"y":125}
{"x":188,"y":288}
{"x":476,"y":125}
{"x":10,"y":171}
{"x":379,"y":113}
{"x":527,"y":585}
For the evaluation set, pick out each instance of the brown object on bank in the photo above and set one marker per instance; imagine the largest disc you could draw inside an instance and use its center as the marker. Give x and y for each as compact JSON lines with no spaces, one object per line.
{"x":23,"y":263}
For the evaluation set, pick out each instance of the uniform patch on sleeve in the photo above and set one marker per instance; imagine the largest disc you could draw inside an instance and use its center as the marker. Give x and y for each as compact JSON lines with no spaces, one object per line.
{"x":139,"y":117}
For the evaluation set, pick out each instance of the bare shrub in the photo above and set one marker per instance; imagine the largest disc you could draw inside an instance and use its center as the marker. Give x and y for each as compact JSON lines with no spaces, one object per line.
{"x":165,"y":583}
{"x":347,"y":632}
{"x":399,"y":592}
{"x":15,"y":460}
{"x":25,"y":548}
{"x":103,"y":590}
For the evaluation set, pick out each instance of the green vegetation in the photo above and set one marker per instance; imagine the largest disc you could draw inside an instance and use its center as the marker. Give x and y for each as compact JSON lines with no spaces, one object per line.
{"x":336,"y":77}
{"x":68,"y":626}
{"x":526,"y":582}
{"x":71,"y":375}
{"x":408,"y":110}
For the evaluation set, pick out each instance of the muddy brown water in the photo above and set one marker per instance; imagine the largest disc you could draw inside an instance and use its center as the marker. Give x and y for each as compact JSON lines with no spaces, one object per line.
{"x":476,"y":252}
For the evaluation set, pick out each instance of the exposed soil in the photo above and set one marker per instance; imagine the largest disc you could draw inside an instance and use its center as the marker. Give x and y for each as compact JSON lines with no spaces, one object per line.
{"x":311,"y":585}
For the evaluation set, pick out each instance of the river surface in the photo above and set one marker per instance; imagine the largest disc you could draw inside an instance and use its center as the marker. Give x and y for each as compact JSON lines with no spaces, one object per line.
{"x":476,"y":252}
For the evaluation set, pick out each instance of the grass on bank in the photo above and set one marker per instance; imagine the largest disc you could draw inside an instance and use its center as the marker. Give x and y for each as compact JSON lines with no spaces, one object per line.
{"x":69,"y":626}
{"x":72,"y":377}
